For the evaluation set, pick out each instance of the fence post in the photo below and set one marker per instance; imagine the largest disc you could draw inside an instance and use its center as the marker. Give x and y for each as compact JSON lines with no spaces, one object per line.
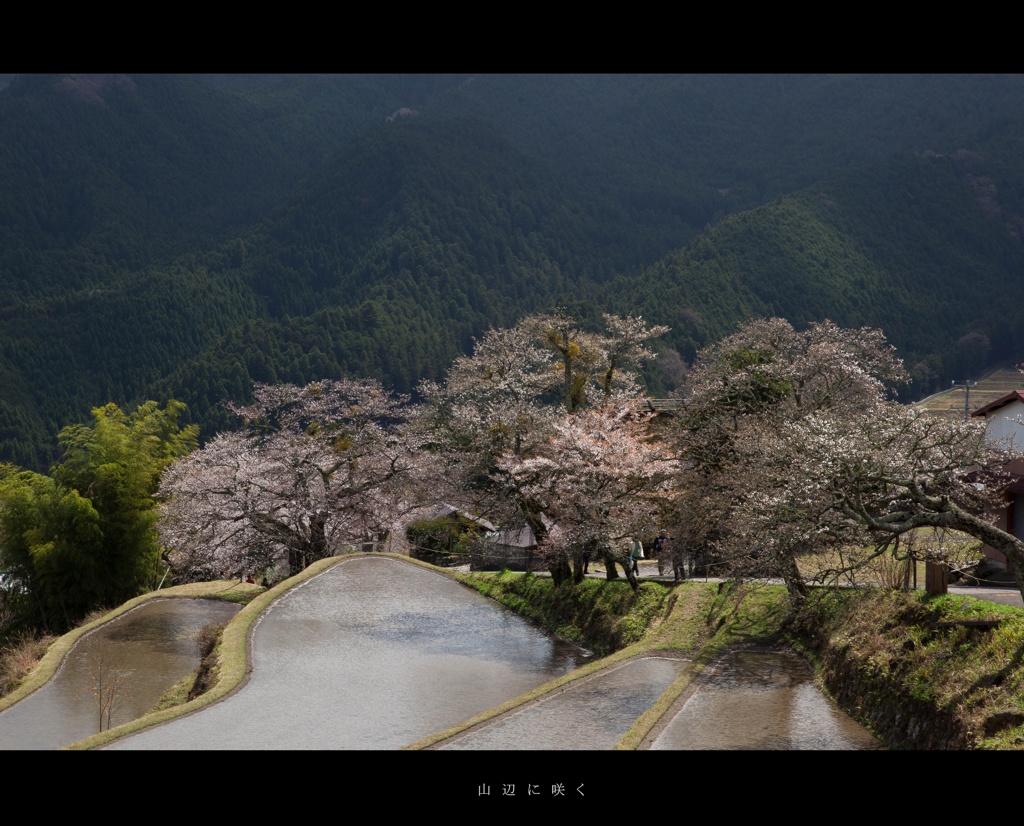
{"x":936,"y":578}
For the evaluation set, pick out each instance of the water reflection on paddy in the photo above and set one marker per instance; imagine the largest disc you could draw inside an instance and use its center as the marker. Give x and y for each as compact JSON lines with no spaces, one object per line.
{"x":371,"y":654}
{"x":131,"y":660}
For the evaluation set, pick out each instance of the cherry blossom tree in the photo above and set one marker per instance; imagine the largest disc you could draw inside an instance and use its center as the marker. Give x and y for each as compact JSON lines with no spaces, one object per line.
{"x":895,"y":470}
{"x":494,"y":413}
{"x":795,"y":433}
{"x":315,"y":468}
{"x":580,"y":355}
{"x":498,"y":399}
{"x":744,"y":393}
{"x":491,"y":403}
{"x":625,"y":346}
{"x":586,"y":361}
{"x":598,"y":476}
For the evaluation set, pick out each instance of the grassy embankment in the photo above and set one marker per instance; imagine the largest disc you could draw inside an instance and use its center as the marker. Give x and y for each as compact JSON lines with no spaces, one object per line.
{"x":921,"y":672}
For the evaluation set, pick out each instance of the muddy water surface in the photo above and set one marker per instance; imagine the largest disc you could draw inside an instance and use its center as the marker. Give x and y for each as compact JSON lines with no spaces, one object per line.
{"x":131,"y":660}
{"x":592,"y":714}
{"x":751,"y":700}
{"x":372,"y":654}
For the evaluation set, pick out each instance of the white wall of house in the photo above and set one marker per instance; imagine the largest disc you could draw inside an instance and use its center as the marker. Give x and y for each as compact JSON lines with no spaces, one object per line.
{"x":1005,"y":427}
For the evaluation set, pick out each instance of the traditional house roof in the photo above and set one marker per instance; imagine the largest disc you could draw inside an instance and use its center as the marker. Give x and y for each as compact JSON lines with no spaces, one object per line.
{"x":444,"y":510}
{"x":1003,"y":432}
{"x":1009,"y":398}
{"x":1003,"y":420}
{"x":522,"y":537}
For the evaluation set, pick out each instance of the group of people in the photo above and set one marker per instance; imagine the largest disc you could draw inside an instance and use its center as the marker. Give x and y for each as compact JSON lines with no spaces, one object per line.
{"x":667,"y":552}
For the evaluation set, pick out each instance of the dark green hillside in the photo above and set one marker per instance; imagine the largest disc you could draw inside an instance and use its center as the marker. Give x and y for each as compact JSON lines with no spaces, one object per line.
{"x":703,"y":146}
{"x":412,"y":241}
{"x":182,"y":237}
{"x":331,"y":343}
{"x":914,"y":246}
{"x":311,"y":116}
{"x":453,"y":208}
{"x":110,"y":173}
{"x":63,"y":355}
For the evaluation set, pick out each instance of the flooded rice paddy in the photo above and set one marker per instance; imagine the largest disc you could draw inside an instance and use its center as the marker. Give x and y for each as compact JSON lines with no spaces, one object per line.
{"x":377,"y":654}
{"x":767,"y":701}
{"x":371,"y":654}
{"x":125,"y":665}
{"x":591,"y":714}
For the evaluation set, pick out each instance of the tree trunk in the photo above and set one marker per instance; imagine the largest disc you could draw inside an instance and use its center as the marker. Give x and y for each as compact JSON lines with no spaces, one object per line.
{"x":577,"y":567}
{"x":795,"y":582}
{"x":943,"y":513}
{"x":558,"y":565}
{"x":317,"y":537}
{"x":634,"y":583}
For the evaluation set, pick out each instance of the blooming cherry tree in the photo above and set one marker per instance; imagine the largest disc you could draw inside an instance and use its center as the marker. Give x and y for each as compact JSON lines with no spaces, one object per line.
{"x":490,"y":404}
{"x":315,"y":468}
{"x":494,"y":412}
{"x":897,"y":469}
{"x":625,"y":345}
{"x":599,"y":476}
{"x":794,"y":432}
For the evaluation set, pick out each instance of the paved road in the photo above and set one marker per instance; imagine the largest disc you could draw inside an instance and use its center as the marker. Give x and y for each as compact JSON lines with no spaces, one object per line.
{"x":1006,"y":593}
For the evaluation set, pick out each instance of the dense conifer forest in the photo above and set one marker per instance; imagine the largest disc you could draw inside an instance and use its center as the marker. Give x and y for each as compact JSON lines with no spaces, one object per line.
{"x":186,"y":236}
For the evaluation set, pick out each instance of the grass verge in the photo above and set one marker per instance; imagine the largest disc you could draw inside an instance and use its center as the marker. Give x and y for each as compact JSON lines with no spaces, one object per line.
{"x":923,"y":672}
{"x":596,"y":614}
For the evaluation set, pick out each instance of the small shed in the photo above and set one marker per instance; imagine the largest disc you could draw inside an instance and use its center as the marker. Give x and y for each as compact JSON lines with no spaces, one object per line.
{"x":444,"y":535}
{"x":514,"y":549}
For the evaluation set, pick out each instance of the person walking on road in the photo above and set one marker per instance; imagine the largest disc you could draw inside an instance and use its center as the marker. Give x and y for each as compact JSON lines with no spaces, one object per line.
{"x":636,"y":555}
{"x":661,"y":551}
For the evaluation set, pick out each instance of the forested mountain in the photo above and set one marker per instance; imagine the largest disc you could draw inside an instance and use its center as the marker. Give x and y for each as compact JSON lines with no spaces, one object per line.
{"x":702,"y":146}
{"x":167,"y":236}
{"x":927,"y":247}
{"x":114,"y":172}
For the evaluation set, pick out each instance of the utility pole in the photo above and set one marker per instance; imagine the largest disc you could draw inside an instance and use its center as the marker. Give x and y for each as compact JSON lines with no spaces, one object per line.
{"x":966,"y":385}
